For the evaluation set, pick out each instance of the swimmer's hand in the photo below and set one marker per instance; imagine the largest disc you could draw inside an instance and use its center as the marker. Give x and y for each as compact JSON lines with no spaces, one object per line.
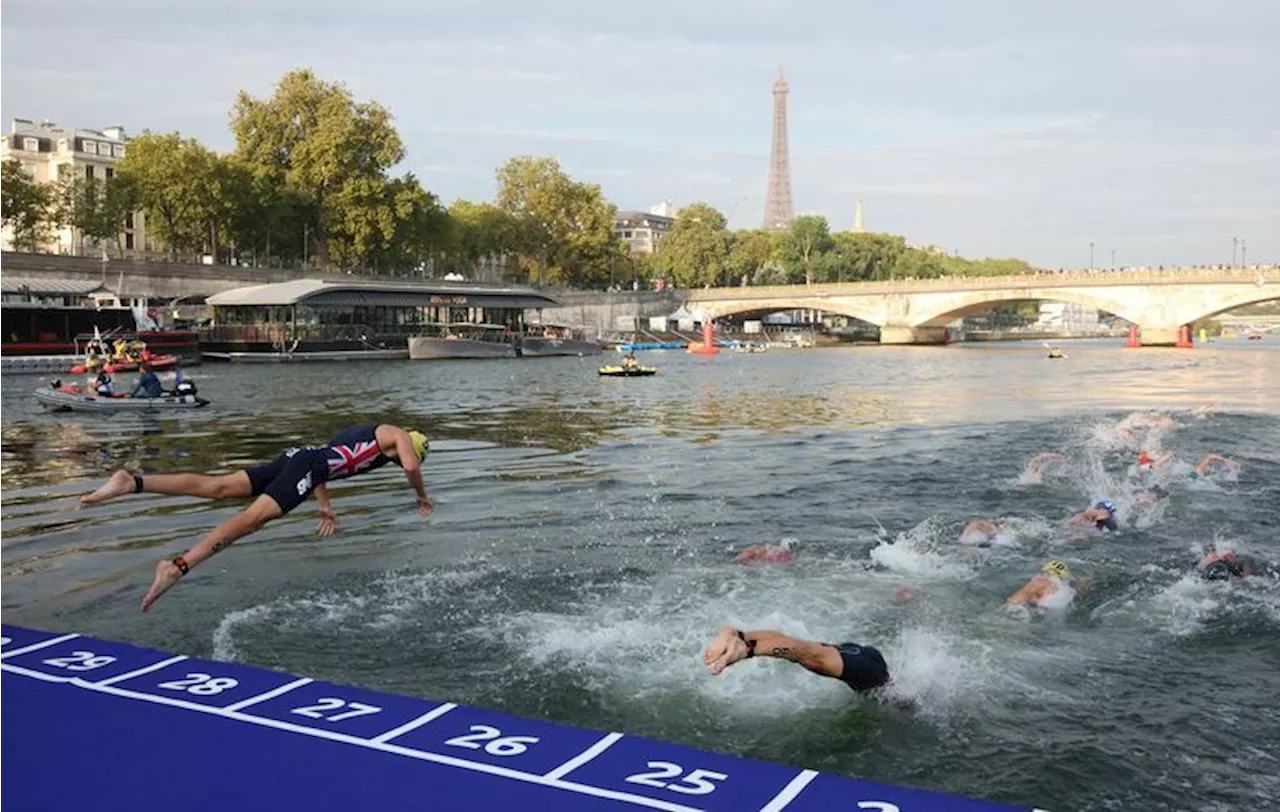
{"x":328,"y":522}
{"x":425,"y":507}
{"x":725,"y":650}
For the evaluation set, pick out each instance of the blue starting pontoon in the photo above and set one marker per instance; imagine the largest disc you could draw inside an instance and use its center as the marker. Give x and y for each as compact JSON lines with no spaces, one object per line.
{"x":91,"y":724}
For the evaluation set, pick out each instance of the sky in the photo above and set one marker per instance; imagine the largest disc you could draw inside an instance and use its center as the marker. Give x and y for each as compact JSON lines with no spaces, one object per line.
{"x":1000,"y":128}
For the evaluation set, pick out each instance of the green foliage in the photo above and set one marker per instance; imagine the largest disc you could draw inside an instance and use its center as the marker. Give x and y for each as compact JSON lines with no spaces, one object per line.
{"x":696,"y":252}
{"x":312,"y":138}
{"x":562,"y":230}
{"x":172,"y":178}
{"x":804,"y":242}
{"x":26,"y":207}
{"x":751,"y":252}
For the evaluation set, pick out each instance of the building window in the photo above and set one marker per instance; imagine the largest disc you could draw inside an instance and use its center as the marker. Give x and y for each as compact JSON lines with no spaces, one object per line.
{"x":128,"y":241}
{"x":88,"y":172}
{"x":119,"y":150}
{"x":626,"y":235}
{"x":90,"y":147}
{"x":111,"y":173}
{"x":31,"y":144}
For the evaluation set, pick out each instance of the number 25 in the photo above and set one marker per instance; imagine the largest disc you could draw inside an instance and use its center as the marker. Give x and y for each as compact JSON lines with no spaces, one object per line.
{"x":699,"y":779}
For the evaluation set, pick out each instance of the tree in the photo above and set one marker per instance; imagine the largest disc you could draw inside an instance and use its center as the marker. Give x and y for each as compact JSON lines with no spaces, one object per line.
{"x":26,"y":207}
{"x":313,"y":138}
{"x":751,"y":251}
{"x":696,"y":251}
{"x":564,"y":229}
{"x":386,"y":225}
{"x":806,"y":238}
{"x":480,"y":231}
{"x":176,"y":184}
{"x":96,"y":208}
{"x":868,"y":256}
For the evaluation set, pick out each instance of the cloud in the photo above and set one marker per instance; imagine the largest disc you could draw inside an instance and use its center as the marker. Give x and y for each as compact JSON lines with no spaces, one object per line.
{"x":993,"y":127}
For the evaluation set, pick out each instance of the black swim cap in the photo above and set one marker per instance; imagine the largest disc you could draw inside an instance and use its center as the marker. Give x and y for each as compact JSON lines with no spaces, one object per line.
{"x":1108,"y":523}
{"x":1219,"y":570}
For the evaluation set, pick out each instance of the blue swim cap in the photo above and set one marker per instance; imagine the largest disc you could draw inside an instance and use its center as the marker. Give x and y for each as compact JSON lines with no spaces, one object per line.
{"x":1107,"y":505}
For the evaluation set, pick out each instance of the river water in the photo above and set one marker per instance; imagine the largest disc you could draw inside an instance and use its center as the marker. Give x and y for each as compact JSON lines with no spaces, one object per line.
{"x":580,"y":553}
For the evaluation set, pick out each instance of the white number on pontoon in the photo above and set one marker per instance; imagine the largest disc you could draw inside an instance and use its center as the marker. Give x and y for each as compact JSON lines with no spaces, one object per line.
{"x":200,"y":684}
{"x":878,"y":806}
{"x":504,"y":746}
{"x":324,"y":705}
{"x":699,"y":781}
{"x":80,"y":661}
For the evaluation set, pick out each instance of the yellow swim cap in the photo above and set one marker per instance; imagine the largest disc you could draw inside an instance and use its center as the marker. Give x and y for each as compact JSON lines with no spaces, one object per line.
{"x":420,"y":444}
{"x":1056,"y":569}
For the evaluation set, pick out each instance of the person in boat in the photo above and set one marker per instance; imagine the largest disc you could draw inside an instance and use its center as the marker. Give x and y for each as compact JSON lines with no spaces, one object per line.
{"x":104,"y":384}
{"x":149,"y":385}
{"x":1051,"y":588}
{"x":279,"y":486}
{"x":860,"y":667}
{"x":1227,"y":564}
{"x":1102,"y":516}
{"x":629,"y":361}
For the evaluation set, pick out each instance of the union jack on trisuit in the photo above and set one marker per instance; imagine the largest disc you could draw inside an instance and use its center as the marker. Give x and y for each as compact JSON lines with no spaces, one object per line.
{"x":348,"y":460}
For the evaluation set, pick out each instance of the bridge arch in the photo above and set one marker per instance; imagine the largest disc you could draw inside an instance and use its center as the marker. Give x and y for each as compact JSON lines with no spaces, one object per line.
{"x":870,"y":313}
{"x":1244,"y":298}
{"x":956,"y":306}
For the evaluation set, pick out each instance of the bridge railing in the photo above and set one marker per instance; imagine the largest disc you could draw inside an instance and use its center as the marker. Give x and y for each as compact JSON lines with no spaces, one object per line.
{"x":1188,"y":276}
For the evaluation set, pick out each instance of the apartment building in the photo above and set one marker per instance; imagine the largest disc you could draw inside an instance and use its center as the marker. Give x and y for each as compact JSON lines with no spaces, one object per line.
{"x":49,"y":153}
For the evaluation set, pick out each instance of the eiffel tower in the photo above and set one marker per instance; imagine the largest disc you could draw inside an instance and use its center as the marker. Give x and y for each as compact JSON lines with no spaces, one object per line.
{"x":778,"y":207}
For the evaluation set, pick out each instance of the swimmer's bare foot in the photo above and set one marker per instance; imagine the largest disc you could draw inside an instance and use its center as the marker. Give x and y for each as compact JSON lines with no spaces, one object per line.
{"x":167,"y":574}
{"x":120,"y":483}
{"x":724,"y":651}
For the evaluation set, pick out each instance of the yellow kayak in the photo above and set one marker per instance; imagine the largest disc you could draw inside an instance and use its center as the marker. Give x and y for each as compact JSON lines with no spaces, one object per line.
{"x":623,"y":372}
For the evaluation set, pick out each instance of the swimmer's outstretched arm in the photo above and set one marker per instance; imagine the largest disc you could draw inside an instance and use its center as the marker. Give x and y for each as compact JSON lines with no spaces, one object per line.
{"x":1210,"y":459}
{"x":250,"y":520}
{"x":328,"y":519}
{"x":411,"y":465}
{"x":728,"y":648}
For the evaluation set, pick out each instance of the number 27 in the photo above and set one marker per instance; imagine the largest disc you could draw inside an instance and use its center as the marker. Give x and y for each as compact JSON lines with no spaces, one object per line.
{"x":700,"y":780}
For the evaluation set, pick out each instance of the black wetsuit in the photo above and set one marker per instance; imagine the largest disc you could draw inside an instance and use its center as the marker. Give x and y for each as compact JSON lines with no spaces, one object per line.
{"x":864,"y":667}
{"x":290,"y":478}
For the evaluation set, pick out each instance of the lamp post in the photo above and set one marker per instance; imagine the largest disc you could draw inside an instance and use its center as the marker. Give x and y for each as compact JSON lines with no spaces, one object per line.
{"x":1091,"y":256}
{"x":306,"y":231}
{"x":1244,"y":254}
{"x":1113,"y":259}
{"x":1234,"y":242}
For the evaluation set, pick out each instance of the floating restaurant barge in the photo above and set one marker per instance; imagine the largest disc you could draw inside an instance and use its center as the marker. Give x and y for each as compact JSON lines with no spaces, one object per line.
{"x":325,"y":320}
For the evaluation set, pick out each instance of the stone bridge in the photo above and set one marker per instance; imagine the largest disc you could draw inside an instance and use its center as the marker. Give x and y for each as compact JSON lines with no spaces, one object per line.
{"x":916,"y":311}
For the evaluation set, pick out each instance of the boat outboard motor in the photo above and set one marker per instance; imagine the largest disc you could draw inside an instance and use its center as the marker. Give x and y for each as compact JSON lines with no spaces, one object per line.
{"x":186,"y":386}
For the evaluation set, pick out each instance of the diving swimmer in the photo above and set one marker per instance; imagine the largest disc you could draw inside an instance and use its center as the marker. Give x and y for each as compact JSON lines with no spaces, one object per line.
{"x":1102,"y":516}
{"x":862,"y":668}
{"x":280,"y":486}
{"x":1051,"y":588}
